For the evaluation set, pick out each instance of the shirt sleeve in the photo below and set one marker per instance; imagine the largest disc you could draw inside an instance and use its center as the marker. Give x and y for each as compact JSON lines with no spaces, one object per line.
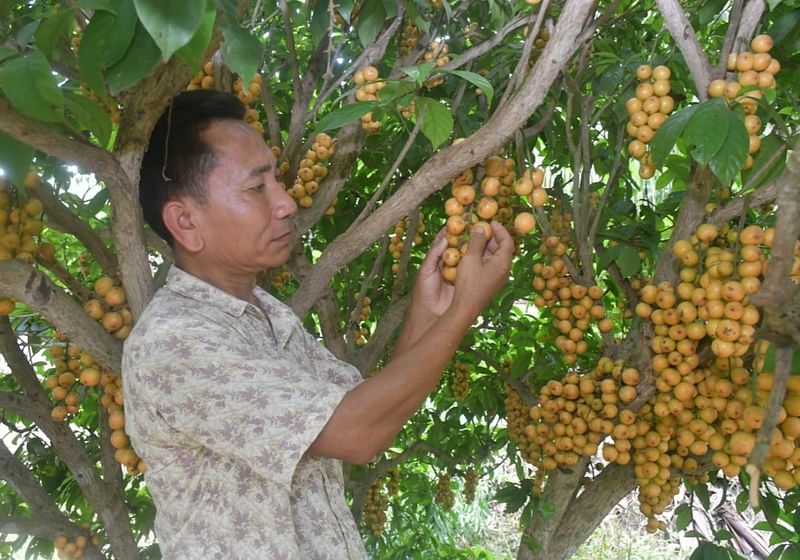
{"x":252,"y":406}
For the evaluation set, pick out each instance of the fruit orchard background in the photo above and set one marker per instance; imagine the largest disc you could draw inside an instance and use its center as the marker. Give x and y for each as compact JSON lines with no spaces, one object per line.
{"x":647,"y":339}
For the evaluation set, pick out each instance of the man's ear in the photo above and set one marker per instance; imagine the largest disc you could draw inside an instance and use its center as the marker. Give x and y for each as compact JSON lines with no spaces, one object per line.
{"x":181,"y":221}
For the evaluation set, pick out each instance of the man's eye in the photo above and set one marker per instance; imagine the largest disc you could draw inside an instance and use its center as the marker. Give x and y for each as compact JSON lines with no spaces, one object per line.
{"x":258,"y":188}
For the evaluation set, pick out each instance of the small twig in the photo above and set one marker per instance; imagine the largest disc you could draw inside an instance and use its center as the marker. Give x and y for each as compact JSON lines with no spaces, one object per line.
{"x":486,"y":46}
{"x":405,"y":256}
{"x":387,"y":179}
{"x":522,"y":64}
{"x":734,"y":19}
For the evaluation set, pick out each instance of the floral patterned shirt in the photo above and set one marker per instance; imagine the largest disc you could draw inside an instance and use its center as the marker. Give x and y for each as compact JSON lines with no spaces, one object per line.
{"x":222,"y":400}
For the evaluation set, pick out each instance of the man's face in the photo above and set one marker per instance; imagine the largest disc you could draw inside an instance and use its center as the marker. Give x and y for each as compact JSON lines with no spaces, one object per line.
{"x":246,"y":219}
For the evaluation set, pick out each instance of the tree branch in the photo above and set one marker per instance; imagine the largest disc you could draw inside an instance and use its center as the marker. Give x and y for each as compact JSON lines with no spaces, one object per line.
{"x":63,"y":219}
{"x":751,"y":16}
{"x":683,"y":34}
{"x":446,"y":164}
{"x":777,"y":288}
{"x":22,"y":282}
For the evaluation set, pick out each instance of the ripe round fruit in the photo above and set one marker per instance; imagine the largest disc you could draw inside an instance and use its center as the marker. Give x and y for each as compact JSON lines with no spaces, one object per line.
{"x":451,"y":257}
{"x":667,"y":105}
{"x":661,"y":87}
{"x":524,"y":223}
{"x":761,"y":43}
{"x":717,"y":88}
{"x":538,"y":197}
{"x":644,"y":72}
{"x":487,"y":208}
{"x":744,"y":61}
{"x":661,"y":73}
{"x":644,"y":90}
{"x":633,"y":105}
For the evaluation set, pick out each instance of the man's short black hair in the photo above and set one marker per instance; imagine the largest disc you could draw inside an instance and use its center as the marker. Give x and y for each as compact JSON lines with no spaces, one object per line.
{"x":177,"y":160}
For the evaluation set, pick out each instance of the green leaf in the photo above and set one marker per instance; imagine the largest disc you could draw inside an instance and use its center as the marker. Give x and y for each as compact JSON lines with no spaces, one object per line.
{"x":320,"y":21}
{"x":105,"y":41}
{"x":609,"y":256}
{"x":138,"y":62}
{"x":419,"y":72}
{"x":773,"y":4}
{"x":345,"y":115}
{"x":88,"y":115}
{"x":391,"y":8}
{"x":732,"y":154}
{"x":707,"y":130}
{"x":171,"y":24}
{"x":668,"y":134}
{"x":370,"y":21}
{"x":701,"y":491}
{"x":683,"y":514}
{"x":609,"y":80}
{"x":742,"y":501}
{"x":192,"y":52}
{"x":628,"y":261}
{"x":53,"y":27}
{"x":15,"y":158}
{"x":437,"y":122}
{"x":102,"y":5}
{"x":6,"y":53}
{"x":521,"y":364}
{"x":242,"y":50}
{"x":32,"y":88}
{"x":478,"y":81}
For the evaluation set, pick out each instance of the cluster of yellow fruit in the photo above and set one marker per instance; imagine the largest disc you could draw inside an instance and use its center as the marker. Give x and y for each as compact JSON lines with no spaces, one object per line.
{"x":312,"y":170}
{"x":68,"y":362}
{"x":375,"y":505}
{"x":460,"y":385}
{"x":575,"y":414}
{"x":648,"y":110}
{"x":397,"y":239}
{"x":574,"y":305}
{"x":393,"y":484}
{"x":561,"y":222}
{"x":712,"y":407}
{"x":517,"y":418}
{"x":444,"y":493}
{"x":109,"y":307}
{"x":279,"y":279}
{"x":465,"y":212}
{"x":72,"y":364}
{"x":437,"y":52}
{"x":360,"y":333}
{"x":74,"y":550}
{"x":369,"y":82}
{"x":754,"y":69}
{"x":409,"y":110}
{"x":248,"y":96}
{"x":409,"y":37}
{"x":470,"y":484}
{"x":204,"y":79}
{"x":538,"y":44}
{"x":21,"y":222}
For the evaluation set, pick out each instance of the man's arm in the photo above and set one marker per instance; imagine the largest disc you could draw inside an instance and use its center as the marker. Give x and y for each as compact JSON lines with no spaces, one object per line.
{"x":370,"y":415}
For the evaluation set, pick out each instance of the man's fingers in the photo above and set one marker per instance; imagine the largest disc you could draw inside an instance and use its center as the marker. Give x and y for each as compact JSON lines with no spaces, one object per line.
{"x":477,"y":242}
{"x":431,"y":262}
{"x":504,"y":240}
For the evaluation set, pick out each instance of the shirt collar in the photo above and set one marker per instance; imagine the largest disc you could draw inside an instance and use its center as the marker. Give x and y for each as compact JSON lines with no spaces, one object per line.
{"x":188,"y":285}
{"x":278,"y":314}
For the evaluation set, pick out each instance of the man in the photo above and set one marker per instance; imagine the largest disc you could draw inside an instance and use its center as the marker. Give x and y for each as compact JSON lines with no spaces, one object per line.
{"x":241,"y":416}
